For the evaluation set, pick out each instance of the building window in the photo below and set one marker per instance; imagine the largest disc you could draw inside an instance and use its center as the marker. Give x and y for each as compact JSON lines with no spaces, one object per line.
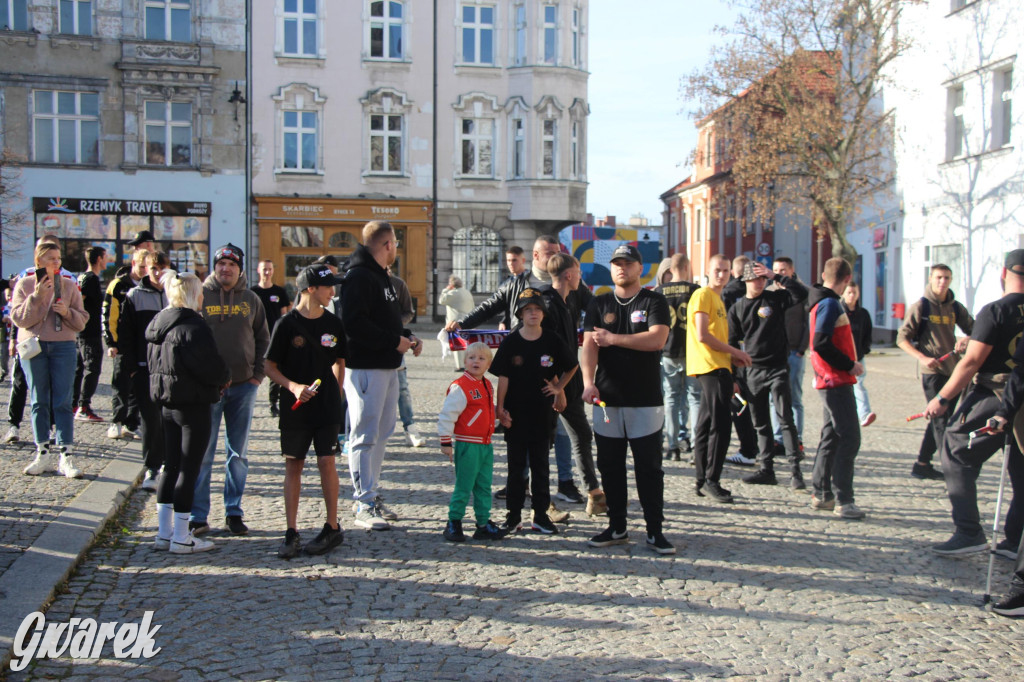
{"x":575,"y":36}
{"x":299,"y":140}
{"x":477,"y":34}
{"x":549,"y":147}
{"x":477,"y":141}
{"x":955,"y":122}
{"x":1002,"y":110}
{"x":519,"y":58}
{"x":66,"y":127}
{"x":169,"y":20}
{"x":730,"y":217}
{"x":299,"y":22}
{"x":386,"y":30}
{"x":76,"y":17}
{"x":550,"y":34}
{"x":168,"y":133}
{"x":518,"y":148}
{"x":385,"y":143}
{"x":477,"y":258}
{"x":574,"y":150}
{"x":697,"y":227}
{"x":14,"y":15}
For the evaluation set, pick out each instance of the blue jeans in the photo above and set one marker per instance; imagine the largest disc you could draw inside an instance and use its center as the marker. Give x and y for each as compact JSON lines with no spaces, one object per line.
{"x":51,"y":381}
{"x":682,"y":398}
{"x":796,"y":391}
{"x":236,"y":407}
{"x":404,"y":398}
{"x":861,"y":394}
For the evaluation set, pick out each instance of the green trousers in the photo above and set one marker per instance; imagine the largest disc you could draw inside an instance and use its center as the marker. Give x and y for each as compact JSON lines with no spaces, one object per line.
{"x":474,"y":463}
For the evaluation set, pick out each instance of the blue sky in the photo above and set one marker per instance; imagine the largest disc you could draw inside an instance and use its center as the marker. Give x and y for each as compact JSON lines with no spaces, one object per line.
{"x":640,"y":133}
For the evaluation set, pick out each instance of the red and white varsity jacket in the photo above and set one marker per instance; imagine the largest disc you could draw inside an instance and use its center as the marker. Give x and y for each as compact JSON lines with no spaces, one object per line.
{"x":468,"y":412}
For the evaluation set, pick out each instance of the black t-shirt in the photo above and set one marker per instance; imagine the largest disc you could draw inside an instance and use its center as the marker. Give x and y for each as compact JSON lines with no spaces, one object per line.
{"x":677,"y":294}
{"x":92,"y":300}
{"x":301,"y":362}
{"x":563,"y":318}
{"x":761,"y":323}
{"x":627,"y":377}
{"x":274,"y":298}
{"x":527,"y":364}
{"x":1000,"y":324}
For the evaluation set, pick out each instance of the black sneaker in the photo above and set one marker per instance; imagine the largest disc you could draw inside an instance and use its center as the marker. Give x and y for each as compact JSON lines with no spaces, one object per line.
{"x":684,"y":446}
{"x":716,"y":492}
{"x":609,"y":537}
{"x":453,"y":532}
{"x":926,"y":472}
{"x":291,"y":546}
{"x":198,"y":528}
{"x":761,"y":477}
{"x":671,"y":454}
{"x":512,"y":524}
{"x":235,"y":525}
{"x":275,"y":412}
{"x":659,"y":544}
{"x":1012,"y":605}
{"x":1007,"y":549}
{"x":961,"y":544}
{"x":328,"y":539}
{"x":501,"y":493}
{"x":796,"y":481}
{"x":489,"y":532}
{"x":542,"y":524}
{"x":568,"y":492}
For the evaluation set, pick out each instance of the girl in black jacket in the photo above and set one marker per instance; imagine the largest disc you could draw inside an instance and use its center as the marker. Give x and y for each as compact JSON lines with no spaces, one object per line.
{"x":860,"y":325}
{"x":186,"y":376}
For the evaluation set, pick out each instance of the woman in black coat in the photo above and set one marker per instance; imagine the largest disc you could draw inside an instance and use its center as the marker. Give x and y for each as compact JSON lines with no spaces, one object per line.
{"x":186,"y":376}
{"x":860,"y":325}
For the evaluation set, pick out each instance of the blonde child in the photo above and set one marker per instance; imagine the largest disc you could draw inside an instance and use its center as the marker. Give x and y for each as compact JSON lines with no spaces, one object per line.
{"x":467,"y":418}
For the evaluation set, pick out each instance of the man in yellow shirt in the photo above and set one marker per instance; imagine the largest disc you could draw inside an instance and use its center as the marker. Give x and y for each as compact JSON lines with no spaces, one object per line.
{"x":710,"y":358}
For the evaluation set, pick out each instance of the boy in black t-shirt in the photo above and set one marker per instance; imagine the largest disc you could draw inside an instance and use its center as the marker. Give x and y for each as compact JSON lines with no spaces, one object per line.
{"x":275,"y":304}
{"x":533,"y":367}
{"x":309,"y":346}
{"x":988,"y":361}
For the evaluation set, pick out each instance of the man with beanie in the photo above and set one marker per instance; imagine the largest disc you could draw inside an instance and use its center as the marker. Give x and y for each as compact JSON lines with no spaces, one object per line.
{"x":236,"y":317}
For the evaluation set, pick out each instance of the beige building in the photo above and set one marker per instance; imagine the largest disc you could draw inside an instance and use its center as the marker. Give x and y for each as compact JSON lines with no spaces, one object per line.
{"x":121,"y":113}
{"x":342,"y":130}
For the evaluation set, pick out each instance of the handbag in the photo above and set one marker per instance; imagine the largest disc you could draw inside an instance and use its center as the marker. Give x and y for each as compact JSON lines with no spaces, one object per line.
{"x":29,"y":348}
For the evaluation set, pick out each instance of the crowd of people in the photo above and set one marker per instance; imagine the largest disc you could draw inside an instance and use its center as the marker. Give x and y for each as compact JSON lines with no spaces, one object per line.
{"x":669,"y":371}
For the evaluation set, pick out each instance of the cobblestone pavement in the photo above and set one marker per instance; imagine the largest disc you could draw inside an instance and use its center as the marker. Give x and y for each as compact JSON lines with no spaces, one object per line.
{"x":765,"y":588}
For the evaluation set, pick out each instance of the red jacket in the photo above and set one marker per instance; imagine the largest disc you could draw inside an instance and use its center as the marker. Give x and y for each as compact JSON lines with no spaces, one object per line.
{"x":833,"y":351}
{"x":468,"y":412}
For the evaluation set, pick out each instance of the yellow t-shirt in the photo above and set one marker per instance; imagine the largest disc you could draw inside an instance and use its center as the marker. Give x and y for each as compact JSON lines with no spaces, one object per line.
{"x":699,"y":358}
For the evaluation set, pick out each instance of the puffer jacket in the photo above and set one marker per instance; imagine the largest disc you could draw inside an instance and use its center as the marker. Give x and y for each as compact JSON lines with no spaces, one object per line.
{"x":140,"y":306}
{"x":184,"y":365}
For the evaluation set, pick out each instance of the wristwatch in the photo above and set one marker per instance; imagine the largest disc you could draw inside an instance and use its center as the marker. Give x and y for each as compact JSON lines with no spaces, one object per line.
{"x":942,"y":401}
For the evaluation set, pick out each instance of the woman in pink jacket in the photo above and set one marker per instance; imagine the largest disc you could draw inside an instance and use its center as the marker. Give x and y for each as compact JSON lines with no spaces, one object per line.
{"x":49,"y":310}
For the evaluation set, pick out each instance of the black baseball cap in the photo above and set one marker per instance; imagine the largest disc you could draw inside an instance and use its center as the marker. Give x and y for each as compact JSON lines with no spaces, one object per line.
{"x":141,"y":237}
{"x":316,"y":276}
{"x":327,"y":260}
{"x":1015,"y":262}
{"x":527,"y":297}
{"x":628,"y":252}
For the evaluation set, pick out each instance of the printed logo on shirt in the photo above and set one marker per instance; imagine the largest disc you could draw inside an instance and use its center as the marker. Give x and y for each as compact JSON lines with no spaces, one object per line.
{"x":517,"y":360}
{"x":764,"y":312}
{"x":475,"y":394}
{"x":298,"y":341}
{"x":546,"y":361}
{"x":638,"y":316}
{"x":275,"y":299}
{"x":609,"y":318}
{"x":242,"y":309}
{"x":328,"y":340}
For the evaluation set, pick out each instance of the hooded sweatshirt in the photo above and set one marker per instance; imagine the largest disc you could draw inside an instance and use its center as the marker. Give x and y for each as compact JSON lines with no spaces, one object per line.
{"x":239,"y":326}
{"x":371,"y":314}
{"x":833,"y":352}
{"x":936,"y":335}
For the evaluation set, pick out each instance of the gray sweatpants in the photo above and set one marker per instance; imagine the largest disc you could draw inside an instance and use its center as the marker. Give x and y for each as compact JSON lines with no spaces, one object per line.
{"x":372,"y":396}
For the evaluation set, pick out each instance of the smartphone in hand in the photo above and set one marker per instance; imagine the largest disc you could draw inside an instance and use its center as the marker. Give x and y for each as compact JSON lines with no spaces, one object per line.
{"x":40,"y":273}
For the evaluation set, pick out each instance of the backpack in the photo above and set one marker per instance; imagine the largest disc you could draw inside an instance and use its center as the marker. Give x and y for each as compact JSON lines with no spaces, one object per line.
{"x":926,"y":311}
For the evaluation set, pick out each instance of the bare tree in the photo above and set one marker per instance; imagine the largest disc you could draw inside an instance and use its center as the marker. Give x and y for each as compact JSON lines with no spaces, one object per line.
{"x":14,"y":214}
{"x":796,"y":86}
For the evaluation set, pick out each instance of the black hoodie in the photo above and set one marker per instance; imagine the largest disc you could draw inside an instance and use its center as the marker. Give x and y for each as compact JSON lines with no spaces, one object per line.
{"x":184,"y":365}
{"x":371,"y":314}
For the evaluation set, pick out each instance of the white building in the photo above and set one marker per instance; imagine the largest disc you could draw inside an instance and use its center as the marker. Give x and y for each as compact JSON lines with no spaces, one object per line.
{"x":959,"y":157}
{"x":343,"y":109}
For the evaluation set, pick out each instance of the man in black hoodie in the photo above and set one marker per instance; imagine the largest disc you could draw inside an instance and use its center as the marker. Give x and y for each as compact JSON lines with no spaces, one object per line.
{"x":376,"y":340}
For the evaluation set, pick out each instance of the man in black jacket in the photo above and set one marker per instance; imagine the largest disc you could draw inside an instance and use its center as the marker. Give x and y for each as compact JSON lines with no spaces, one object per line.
{"x":376,"y":340}
{"x":798,"y":336}
{"x":124,"y":418}
{"x":90,"y":339}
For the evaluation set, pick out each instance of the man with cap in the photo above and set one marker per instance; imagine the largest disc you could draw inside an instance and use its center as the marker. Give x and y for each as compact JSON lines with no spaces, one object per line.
{"x":143,"y":241}
{"x":308,"y":345}
{"x":984,"y":370}
{"x":239,"y":325}
{"x":624,"y":333}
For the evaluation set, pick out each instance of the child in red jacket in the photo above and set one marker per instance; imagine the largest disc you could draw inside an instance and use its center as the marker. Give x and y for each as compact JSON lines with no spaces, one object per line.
{"x":467,"y":418}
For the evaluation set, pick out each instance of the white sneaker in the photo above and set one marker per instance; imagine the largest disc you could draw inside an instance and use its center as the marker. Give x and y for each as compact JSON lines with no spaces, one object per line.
{"x":114,"y":431}
{"x":192,"y":545}
{"x":67,"y":465}
{"x":412,"y":435}
{"x":12,"y":435}
{"x":738,"y":458}
{"x":128,"y":434}
{"x":149,"y":482}
{"x":43,"y":462}
{"x":162,"y":544}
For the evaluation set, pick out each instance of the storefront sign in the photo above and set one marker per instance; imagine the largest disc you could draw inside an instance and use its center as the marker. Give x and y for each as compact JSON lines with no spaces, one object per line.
{"x":358,"y":210}
{"x":120,"y":206}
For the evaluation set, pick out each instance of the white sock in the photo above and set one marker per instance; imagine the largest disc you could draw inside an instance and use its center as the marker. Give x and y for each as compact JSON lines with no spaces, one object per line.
{"x":164,"y":517}
{"x":181,"y":527}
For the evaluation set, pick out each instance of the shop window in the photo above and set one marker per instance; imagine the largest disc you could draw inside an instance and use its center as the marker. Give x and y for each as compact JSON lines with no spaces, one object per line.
{"x":343,"y":240}
{"x":169,"y":20}
{"x":477,"y":34}
{"x":386,"y":30}
{"x":302,"y":237}
{"x":76,"y":17}
{"x":299,"y":29}
{"x":168,"y":133}
{"x":477,"y":258}
{"x":66,"y":127}
{"x":14,"y":15}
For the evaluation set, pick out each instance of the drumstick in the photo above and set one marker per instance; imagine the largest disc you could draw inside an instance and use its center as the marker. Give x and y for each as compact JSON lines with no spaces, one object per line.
{"x":602,"y":405}
{"x":312,"y":387}
{"x":915,"y":416}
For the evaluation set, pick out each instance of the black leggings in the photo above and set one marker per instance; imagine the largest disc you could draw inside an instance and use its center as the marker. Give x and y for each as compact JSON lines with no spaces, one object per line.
{"x":186,"y":435}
